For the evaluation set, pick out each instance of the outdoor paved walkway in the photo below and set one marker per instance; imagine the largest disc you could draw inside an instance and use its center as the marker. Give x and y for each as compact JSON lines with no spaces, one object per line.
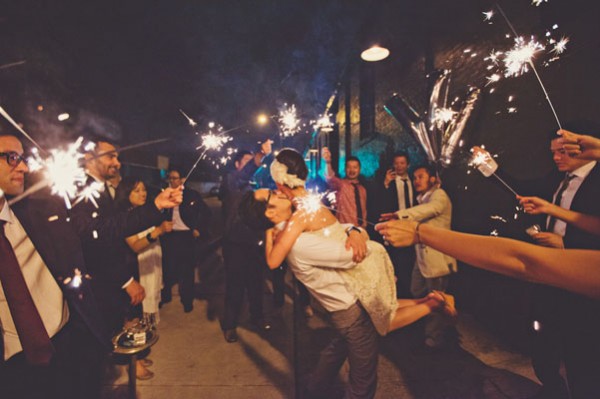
{"x":192,"y":360}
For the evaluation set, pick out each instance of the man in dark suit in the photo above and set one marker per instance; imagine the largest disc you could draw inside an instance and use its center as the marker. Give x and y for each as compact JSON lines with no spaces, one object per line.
{"x":242,"y":252}
{"x":103,"y":229}
{"x":48,"y":260}
{"x":398,"y":194}
{"x":565,"y":325}
{"x":190,"y":220}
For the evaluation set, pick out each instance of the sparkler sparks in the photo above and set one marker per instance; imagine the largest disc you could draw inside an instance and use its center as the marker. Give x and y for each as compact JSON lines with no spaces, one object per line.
{"x":190,"y":120}
{"x":560,"y":46}
{"x":310,"y":203}
{"x":518,"y":59}
{"x":537,"y":3}
{"x":487,"y":15}
{"x":289,"y":124}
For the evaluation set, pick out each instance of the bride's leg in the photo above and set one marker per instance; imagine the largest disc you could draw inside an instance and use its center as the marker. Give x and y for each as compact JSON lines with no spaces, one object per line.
{"x":409,"y":314}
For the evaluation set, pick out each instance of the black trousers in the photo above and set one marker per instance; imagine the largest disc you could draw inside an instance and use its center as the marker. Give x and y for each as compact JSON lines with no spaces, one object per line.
{"x":75,"y":371}
{"x":244,"y":273}
{"x":179,"y":262}
{"x":403,"y":260}
{"x":568,"y":331}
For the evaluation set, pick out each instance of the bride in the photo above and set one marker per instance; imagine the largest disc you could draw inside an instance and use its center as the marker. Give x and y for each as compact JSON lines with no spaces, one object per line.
{"x":312,"y":240}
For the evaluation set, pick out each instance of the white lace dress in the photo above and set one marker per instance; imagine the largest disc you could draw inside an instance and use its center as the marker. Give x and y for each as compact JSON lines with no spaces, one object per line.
{"x":372,"y":280}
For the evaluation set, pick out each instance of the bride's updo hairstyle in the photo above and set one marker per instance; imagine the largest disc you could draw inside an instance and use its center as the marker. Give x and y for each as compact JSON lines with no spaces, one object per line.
{"x":252,"y":212}
{"x":289,"y":169}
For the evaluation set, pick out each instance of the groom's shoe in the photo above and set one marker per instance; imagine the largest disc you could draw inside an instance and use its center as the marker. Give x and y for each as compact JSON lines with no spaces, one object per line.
{"x":230,"y":335}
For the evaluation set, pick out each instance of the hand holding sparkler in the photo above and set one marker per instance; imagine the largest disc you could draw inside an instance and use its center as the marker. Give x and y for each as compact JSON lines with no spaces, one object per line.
{"x":536,"y":205}
{"x":580,"y":146}
{"x":169,"y":198}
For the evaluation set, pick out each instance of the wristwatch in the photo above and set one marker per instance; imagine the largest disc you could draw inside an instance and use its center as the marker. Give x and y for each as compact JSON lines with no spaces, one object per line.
{"x":149,"y":238}
{"x":349,"y":229}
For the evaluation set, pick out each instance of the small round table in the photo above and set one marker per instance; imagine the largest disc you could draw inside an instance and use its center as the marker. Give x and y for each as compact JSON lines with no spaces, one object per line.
{"x":132,"y":352}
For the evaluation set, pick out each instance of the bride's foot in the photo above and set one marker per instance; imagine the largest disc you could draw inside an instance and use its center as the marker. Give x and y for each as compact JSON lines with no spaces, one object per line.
{"x":446,"y":304}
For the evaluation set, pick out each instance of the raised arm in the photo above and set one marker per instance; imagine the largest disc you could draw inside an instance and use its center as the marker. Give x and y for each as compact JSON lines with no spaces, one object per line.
{"x":574,"y":270}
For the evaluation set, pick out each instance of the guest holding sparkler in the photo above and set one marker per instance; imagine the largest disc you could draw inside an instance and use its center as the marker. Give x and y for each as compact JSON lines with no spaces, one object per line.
{"x":147,"y":256}
{"x":244,"y":263}
{"x":565,"y":332}
{"x":190,"y":221}
{"x":53,"y":338}
{"x":351,"y":195}
{"x":360,"y":298}
{"x":103,"y":230}
{"x":397,"y":193}
{"x":432,"y":269}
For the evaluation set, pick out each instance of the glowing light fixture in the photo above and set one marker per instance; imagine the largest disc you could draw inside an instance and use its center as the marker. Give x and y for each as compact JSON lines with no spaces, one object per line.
{"x":262,"y":119}
{"x":375,"y":53}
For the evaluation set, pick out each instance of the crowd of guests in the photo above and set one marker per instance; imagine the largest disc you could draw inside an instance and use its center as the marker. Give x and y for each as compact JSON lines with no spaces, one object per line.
{"x":73,"y":278}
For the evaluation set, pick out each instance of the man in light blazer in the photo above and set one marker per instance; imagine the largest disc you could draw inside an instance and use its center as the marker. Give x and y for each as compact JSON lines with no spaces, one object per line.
{"x":432,"y":268}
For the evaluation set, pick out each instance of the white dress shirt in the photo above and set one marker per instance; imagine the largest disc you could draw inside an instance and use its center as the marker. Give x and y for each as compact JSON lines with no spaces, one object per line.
{"x":400,"y":190}
{"x":560,"y":226}
{"x":314,"y":260}
{"x":47,"y":295}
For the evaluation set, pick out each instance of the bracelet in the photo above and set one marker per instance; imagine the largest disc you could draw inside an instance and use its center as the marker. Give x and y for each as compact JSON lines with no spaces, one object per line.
{"x":149,"y":238}
{"x":349,"y":229}
{"x":417,"y":234}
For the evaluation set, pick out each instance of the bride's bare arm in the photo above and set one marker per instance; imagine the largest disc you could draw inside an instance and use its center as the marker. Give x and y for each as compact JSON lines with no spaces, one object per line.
{"x":574,"y":270}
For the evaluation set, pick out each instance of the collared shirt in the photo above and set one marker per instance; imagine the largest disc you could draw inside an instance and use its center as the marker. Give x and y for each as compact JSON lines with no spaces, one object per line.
{"x":400,"y":190}
{"x":314,"y":261}
{"x":178,"y":224}
{"x":346,"y":200}
{"x":44,"y":289}
{"x":560,"y":227}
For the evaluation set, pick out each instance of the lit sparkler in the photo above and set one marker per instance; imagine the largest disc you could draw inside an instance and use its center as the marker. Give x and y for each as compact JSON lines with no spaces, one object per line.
{"x":487,"y":15}
{"x":560,"y":46}
{"x":537,"y":3}
{"x":518,"y":59}
{"x":289,"y":124}
{"x":190,"y":120}
{"x":483,"y":161}
{"x":310,"y":203}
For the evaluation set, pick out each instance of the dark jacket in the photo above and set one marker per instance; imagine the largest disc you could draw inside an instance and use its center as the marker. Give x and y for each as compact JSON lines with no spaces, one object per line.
{"x":235,"y":184}
{"x":45,"y":220}
{"x":193,"y":211}
{"x":102,"y":231}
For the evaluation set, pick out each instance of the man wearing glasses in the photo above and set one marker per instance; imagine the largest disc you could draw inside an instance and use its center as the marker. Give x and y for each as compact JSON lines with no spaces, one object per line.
{"x":52,"y":336}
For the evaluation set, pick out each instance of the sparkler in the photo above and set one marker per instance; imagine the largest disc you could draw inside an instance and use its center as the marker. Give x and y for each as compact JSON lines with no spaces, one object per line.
{"x":310,"y":203}
{"x":213,"y":141}
{"x":16,"y":125}
{"x":190,"y":120}
{"x":519,"y":59}
{"x":12,"y":64}
{"x":483,"y":161}
{"x":289,"y":124}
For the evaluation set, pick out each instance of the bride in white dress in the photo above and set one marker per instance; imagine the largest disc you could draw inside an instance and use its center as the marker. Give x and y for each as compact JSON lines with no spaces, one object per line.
{"x":313,"y":238}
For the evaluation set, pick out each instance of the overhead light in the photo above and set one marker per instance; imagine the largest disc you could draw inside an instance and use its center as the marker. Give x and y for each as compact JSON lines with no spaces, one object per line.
{"x":375,"y":53}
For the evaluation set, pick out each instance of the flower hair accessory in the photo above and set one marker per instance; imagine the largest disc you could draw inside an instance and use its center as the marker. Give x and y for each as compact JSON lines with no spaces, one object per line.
{"x":279,"y":173}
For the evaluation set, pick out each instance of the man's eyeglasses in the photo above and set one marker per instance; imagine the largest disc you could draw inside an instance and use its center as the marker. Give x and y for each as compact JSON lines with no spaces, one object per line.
{"x":13,"y":158}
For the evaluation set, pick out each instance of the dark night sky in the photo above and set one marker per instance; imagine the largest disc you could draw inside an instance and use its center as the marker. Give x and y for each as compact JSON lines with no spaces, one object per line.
{"x":128,"y":66}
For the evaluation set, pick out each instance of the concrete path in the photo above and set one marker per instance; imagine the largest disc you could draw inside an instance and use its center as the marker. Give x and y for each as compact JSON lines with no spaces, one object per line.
{"x":192,"y":360}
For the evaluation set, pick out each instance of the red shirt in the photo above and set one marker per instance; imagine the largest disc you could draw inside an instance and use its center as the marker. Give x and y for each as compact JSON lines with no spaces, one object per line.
{"x":346,"y":200}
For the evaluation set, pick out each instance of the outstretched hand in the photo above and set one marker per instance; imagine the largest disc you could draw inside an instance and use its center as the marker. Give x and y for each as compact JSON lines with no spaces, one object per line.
{"x":535,"y":205}
{"x":399,"y":233}
{"x":169,"y":198}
